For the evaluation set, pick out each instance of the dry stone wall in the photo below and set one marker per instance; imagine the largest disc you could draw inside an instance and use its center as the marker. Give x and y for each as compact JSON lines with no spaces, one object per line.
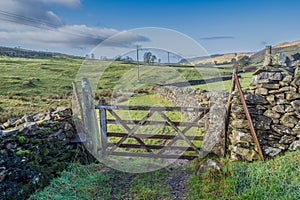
{"x":273,"y":100}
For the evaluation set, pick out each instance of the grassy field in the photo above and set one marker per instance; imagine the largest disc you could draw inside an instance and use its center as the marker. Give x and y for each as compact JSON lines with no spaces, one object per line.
{"x":35,"y":85}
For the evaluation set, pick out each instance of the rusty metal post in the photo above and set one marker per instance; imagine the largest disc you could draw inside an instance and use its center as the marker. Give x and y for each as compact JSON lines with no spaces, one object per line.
{"x":257,"y":145}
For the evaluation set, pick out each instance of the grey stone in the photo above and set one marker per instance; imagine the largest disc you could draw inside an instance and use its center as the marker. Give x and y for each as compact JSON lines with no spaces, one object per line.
{"x":272,"y":114}
{"x":289,"y":120}
{"x":282,"y":130}
{"x":246,"y":154}
{"x":255,"y":99}
{"x":280,"y":96}
{"x":239,"y":123}
{"x":289,"y":108}
{"x":261,"y":91}
{"x":282,"y":102}
{"x":284,"y":89}
{"x":209,"y":165}
{"x":283,"y":83}
{"x":255,"y":111}
{"x":296,"y":129}
{"x":270,"y":151}
{"x":295,"y":145}
{"x":278,"y":109}
{"x":240,"y":137}
{"x":287,"y":139}
{"x":271,"y":99}
{"x":287,"y":78}
{"x":296,"y":105}
{"x":280,"y":146}
{"x":214,"y":137}
{"x":297,"y":71}
{"x":270,"y":86}
{"x":265,"y":77}
{"x":296,"y":81}
{"x":292,"y":96}
{"x":262,"y":122}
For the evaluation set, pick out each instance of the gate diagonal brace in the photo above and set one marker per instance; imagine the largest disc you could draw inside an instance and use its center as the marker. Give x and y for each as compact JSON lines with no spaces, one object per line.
{"x":183,"y":131}
{"x":180,"y":133}
{"x":131,"y":131}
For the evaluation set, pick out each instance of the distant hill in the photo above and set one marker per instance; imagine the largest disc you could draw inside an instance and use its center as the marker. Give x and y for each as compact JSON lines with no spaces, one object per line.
{"x":24,"y":53}
{"x":217,"y":58}
{"x":289,"y":49}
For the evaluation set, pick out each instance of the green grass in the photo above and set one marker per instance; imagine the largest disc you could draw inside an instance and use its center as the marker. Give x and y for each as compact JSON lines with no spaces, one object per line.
{"x":274,"y":179}
{"x":96,"y":181}
{"x":245,"y":81}
{"x":32,"y":77}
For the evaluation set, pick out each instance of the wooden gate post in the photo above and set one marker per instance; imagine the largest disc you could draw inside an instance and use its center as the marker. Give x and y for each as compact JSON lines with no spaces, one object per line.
{"x":103,"y":128}
{"x":89,"y":118}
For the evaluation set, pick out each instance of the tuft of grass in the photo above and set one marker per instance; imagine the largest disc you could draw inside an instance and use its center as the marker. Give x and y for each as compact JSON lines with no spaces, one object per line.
{"x":274,"y":179}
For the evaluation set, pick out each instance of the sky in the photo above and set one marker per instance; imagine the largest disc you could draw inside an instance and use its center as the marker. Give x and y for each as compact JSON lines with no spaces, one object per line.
{"x":78,"y":26}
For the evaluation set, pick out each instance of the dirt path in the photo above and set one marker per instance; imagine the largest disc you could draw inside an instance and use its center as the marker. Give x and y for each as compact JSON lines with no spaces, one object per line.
{"x":177,"y":182}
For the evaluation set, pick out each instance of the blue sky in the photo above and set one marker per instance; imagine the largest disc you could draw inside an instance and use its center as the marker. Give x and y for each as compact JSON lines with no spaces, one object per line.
{"x":76,"y":26}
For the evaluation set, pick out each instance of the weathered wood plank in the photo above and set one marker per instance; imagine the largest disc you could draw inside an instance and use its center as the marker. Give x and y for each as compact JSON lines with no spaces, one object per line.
{"x":103,"y":127}
{"x":147,"y":155}
{"x":149,"y":136}
{"x":89,"y":116}
{"x":154,"y":108}
{"x":137,"y":146}
{"x":192,"y":124}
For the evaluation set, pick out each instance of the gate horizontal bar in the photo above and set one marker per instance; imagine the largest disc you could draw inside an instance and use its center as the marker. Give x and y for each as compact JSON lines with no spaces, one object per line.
{"x":154,"y":108}
{"x":138,"y":146}
{"x":146,"y":155}
{"x":193,"y":124}
{"x":148,"y":136}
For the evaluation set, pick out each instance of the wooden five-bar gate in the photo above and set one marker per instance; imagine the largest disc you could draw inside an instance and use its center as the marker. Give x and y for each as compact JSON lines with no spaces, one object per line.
{"x":122,"y":148}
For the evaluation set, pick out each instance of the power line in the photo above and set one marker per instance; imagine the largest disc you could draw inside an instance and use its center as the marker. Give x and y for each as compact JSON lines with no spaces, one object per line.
{"x":36,"y":23}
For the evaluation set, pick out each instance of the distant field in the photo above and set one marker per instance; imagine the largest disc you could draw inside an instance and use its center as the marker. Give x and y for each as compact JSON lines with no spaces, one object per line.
{"x":34,"y":85}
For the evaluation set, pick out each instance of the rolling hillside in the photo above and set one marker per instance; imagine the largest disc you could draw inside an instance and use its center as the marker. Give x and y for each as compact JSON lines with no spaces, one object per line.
{"x":289,"y":49}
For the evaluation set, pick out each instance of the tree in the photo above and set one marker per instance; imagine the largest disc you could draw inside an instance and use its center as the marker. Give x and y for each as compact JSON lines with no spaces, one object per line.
{"x":153,"y":58}
{"x":127,"y":60}
{"x":244,"y":61}
{"x":147,"y":57}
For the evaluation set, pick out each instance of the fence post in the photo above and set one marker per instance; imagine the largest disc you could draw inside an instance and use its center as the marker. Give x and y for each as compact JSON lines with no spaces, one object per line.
{"x":103,"y":128}
{"x":89,"y":117}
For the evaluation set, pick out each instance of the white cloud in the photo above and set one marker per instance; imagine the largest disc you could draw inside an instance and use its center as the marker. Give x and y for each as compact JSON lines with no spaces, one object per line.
{"x":68,"y":3}
{"x":74,"y":36}
{"x":32,"y":22}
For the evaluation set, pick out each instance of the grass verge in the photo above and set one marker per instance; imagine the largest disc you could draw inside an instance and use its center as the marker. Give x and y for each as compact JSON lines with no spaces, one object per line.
{"x":274,"y":179}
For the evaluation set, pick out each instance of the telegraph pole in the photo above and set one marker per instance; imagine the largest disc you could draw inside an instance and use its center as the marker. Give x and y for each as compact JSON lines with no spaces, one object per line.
{"x":138,"y":62}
